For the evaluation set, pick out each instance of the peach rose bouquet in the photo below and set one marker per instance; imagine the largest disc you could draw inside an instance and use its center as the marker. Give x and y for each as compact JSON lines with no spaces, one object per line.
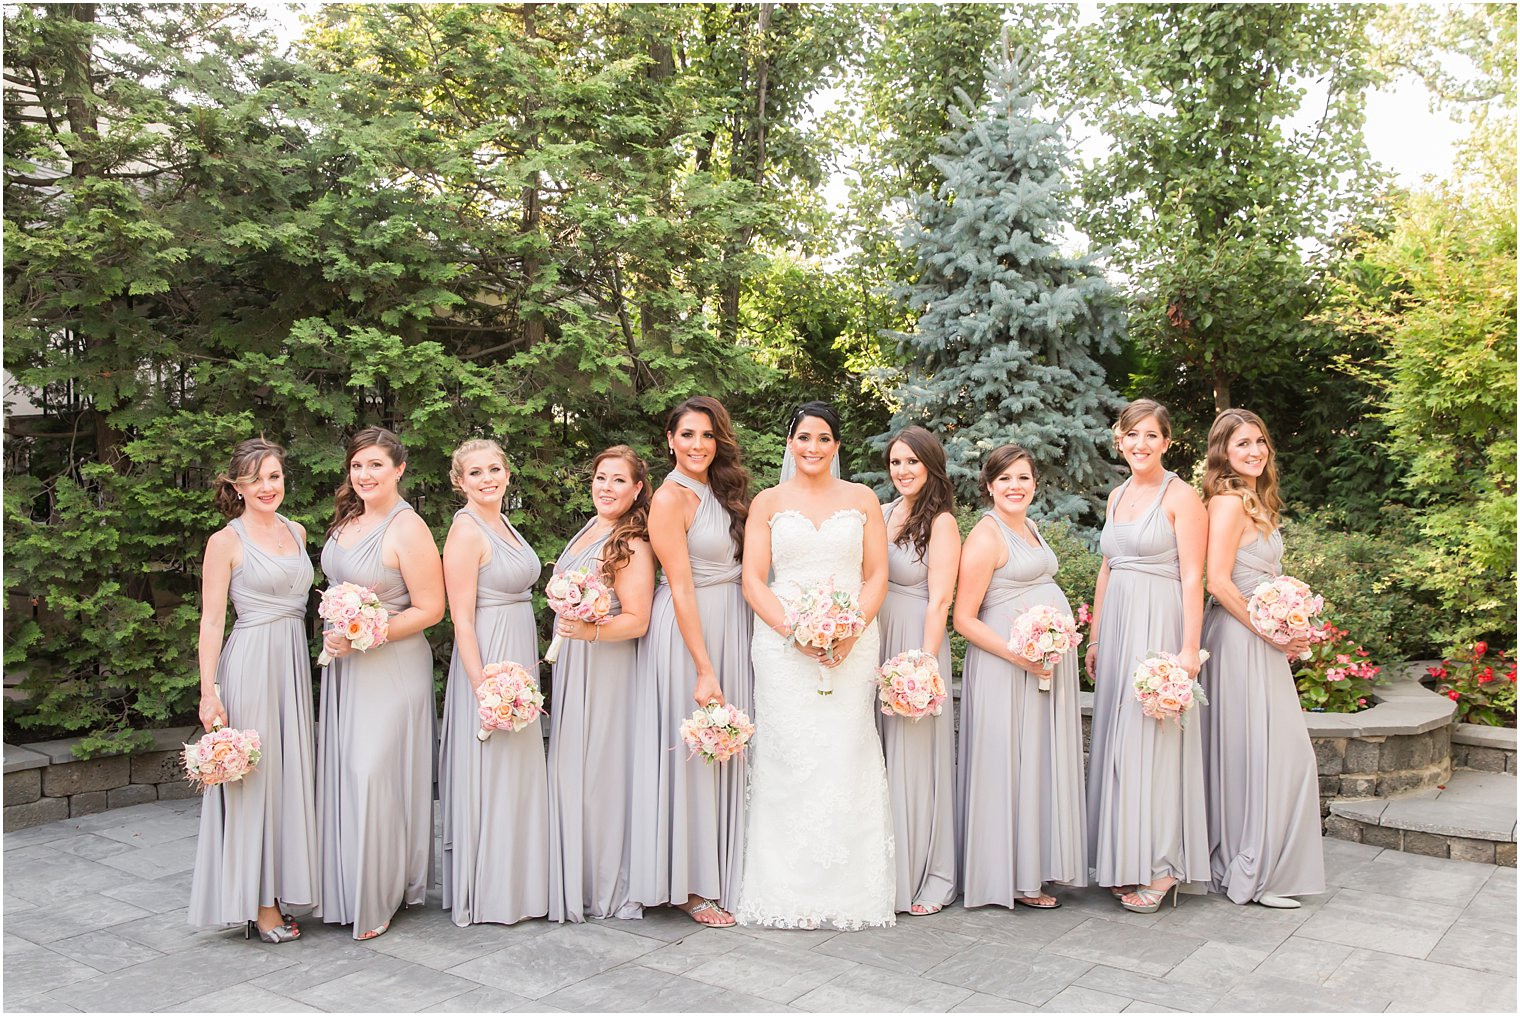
{"x":910,"y":685}
{"x":580,"y":595}
{"x":356,"y":613}
{"x":225,"y":755}
{"x":716,"y":733}
{"x":1165,"y":690}
{"x":1285,"y":609}
{"x":509,"y":698}
{"x":1044,"y":634}
{"x":822,"y":617}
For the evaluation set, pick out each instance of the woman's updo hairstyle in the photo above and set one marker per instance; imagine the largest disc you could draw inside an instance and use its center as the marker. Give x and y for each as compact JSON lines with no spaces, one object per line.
{"x":247,"y":459}
{"x":470,"y":447}
{"x":820,"y":410}
{"x":346,"y":502}
{"x":1002,"y":459}
{"x":1139,"y":410}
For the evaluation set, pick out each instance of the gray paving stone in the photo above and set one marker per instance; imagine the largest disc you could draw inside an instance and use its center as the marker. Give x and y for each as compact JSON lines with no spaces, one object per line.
{"x":31,"y":969}
{"x":1415,"y":985}
{"x":1215,"y":964}
{"x":90,"y":846}
{"x":170,"y":932}
{"x":667,"y":924}
{"x":152,"y":895}
{"x":1144,"y":988}
{"x":910,"y":947}
{"x":632,"y":988}
{"x":872,"y":989}
{"x":1478,"y":943}
{"x":241,"y":998}
{"x":35,"y":1003}
{"x":74,"y":915}
{"x":1416,"y":877}
{"x":156,"y":861}
{"x":390,"y":985}
{"x":1264,"y":993}
{"x":791,"y":938}
{"x":1144,"y":950}
{"x":979,"y":1002}
{"x":778,"y":973}
{"x":104,"y":950}
{"x":479,"y":999}
{"x":1138,"y":1006}
{"x":1078,"y":999}
{"x":562,"y":956}
{"x":441,"y":945}
{"x":1217,"y":919}
{"x":1027,"y":927}
{"x":44,"y":875}
{"x":679,"y":957}
{"x":1386,"y":923}
{"x":1304,"y":959}
{"x":1030,"y":977}
{"x":166,"y":981}
{"x":18,"y":759}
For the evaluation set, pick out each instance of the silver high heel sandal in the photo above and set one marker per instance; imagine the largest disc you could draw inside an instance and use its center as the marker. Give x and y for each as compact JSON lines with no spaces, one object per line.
{"x":280,"y":933}
{"x":1151,"y":898}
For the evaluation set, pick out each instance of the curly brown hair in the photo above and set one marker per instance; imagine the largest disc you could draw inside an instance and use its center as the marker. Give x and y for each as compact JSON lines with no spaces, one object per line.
{"x":1263,"y":504}
{"x":247,"y":459}
{"x":726,"y":477}
{"x":634,"y":523}
{"x":346,"y":502}
{"x":938,"y":495}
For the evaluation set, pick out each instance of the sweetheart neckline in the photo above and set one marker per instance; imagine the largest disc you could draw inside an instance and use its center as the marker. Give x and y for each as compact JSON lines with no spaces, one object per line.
{"x":817,"y":526}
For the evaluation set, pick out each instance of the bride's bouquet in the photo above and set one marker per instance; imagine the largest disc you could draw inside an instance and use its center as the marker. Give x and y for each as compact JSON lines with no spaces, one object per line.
{"x":509,"y":699}
{"x":356,"y":613}
{"x":1044,"y":634}
{"x":821,"y":617}
{"x":1165,"y":690}
{"x":225,"y":755}
{"x":581,"y":595}
{"x":909,"y":685}
{"x":1285,"y":609}
{"x":716,"y":733}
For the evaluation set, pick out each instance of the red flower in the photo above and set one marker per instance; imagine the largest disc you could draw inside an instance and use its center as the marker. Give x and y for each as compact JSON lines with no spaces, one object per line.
{"x":1361,"y":701}
{"x":1486,"y":676}
{"x":1454,"y":694}
{"x":1479,"y":648}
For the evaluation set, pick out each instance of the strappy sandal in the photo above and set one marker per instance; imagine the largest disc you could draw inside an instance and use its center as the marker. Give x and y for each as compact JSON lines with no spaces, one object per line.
{"x":376,"y":933}
{"x":1150,"y":899}
{"x":1036,"y":901}
{"x":704,"y":906}
{"x":277,"y":935}
{"x":925,"y":909}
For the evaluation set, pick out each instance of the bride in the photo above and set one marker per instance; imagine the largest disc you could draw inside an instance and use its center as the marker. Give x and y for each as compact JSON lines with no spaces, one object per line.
{"x":819,"y":847}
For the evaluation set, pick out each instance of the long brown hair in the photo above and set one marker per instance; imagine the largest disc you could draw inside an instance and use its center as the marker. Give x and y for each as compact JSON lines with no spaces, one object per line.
{"x":346,"y":502}
{"x":1264,"y":504}
{"x":634,"y":523}
{"x":726,"y":477}
{"x":938,"y":494}
{"x":247,"y":459}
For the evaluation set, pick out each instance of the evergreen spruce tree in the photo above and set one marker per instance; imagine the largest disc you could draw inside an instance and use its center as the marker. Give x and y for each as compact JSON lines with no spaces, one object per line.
{"x":1008,"y":325}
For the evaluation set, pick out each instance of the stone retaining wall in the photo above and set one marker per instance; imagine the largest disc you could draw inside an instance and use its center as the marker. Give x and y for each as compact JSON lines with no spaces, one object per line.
{"x":1483,"y":748}
{"x":1380,"y":765}
{"x":44,"y":782}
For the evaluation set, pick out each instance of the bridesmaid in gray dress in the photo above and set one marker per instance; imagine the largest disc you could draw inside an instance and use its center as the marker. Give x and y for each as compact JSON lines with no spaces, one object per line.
{"x":591,"y":715}
{"x":1147,"y":829}
{"x":1262,"y":777}
{"x":258,"y":839}
{"x":375,"y":732}
{"x":923,"y":554}
{"x":688,"y":815}
{"x":1021,"y":801}
{"x":494,"y":794}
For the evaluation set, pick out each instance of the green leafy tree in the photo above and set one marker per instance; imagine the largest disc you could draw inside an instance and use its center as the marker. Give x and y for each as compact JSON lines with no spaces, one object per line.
{"x":1007,"y":324}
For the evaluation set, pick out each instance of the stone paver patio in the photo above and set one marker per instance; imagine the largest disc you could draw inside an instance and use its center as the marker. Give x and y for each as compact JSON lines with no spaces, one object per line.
{"x":94,"y":919}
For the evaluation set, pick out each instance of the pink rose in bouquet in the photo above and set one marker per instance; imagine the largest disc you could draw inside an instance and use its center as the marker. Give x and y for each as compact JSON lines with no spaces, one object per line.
{"x":909,"y":685}
{"x":1284,"y":609}
{"x":356,"y":613}
{"x":1164,"y":689}
{"x":509,"y":698}
{"x":578,"y":595}
{"x":822,"y":617}
{"x":225,"y":755}
{"x":1045,"y":634}
{"x":716,"y":732}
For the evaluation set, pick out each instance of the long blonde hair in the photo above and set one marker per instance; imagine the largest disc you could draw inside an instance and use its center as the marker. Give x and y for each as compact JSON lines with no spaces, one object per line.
{"x":1263,"y":504}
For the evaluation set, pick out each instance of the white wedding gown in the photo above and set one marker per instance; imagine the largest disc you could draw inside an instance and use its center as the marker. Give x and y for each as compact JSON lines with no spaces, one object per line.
{"x":819,"y":846}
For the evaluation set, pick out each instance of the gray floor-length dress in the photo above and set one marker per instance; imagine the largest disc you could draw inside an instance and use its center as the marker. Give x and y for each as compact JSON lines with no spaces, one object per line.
{"x":920,"y":754}
{"x":1146,"y":817}
{"x":495,"y":794}
{"x":1022,"y":813}
{"x":258,"y":836}
{"x":688,"y":815}
{"x":1262,"y":778}
{"x":590,"y":758}
{"x":375,"y":756}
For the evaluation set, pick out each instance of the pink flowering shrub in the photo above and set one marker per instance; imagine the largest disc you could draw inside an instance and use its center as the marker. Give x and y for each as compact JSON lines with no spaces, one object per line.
{"x":1338,"y":676}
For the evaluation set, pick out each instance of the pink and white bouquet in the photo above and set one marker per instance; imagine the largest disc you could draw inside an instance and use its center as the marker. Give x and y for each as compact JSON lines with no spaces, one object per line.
{"x":509,"y":699}
{"x":1165,"y":690}
{"x":1284,"y":609}
{"x":225,"y":755}
{"x":1044,"y":634}
{"x":909,"y":685}
{"x":579,"y":595}
{"x":356,"y":613}
{"x":822,"y":617}
{"x":716,"y":732}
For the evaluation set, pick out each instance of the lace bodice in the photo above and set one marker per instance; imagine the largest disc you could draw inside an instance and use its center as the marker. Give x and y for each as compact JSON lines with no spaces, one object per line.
{"x":800,"y":558}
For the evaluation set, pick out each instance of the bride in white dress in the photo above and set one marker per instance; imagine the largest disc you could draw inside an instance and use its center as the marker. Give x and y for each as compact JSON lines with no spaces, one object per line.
{"x":819,"y":845}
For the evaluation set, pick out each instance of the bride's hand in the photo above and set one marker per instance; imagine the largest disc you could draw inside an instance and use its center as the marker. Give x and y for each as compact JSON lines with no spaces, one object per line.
{"x":841,"y":650}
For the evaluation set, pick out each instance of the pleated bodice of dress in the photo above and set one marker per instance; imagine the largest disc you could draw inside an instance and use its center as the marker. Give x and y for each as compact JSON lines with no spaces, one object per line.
{"x":1146,"y":545}
{"x":709,"y":546}
{"x":906,"y":571}
{"x":1027,"y":568}
{"x":509,"y":576}
{"x":588,"y":558}
{"x":1257,"y":562}
{"x":268,"y":587}
{"x":363,"y":564}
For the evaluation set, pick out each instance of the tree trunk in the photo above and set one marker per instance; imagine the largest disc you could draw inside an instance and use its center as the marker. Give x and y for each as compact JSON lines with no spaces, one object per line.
{"x":752,"y":150}
{"x":1221,"y":389}
{"x":532,"y":318}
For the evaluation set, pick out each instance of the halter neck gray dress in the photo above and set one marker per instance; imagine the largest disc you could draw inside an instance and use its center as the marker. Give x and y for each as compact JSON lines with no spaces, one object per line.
{"x":1262,"y":780}
{"x":590,"y":761}
{"x":688,"y":815}
{"x":494,"y":795}
{"x":920,"y":754}
{"x":375,"y":756}
{"x":1022,"y":813}
{"x":1146,"y":817}
{"x":258,"y":836}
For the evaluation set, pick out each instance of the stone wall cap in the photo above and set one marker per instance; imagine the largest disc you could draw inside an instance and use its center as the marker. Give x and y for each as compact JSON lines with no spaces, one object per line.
{"x":1477,"y":806}
{"x":1404,"y":707}
{"x":18,"y":759}
{"x":1484,"y":736}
